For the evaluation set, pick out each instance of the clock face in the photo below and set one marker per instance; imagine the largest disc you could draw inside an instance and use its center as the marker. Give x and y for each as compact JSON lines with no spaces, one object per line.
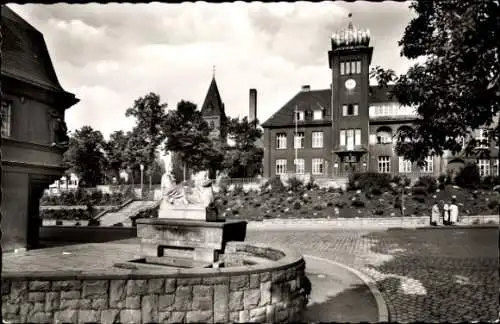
{"x":350,"y":84}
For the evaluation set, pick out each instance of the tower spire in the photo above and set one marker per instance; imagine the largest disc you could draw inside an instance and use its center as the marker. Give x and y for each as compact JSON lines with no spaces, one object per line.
{"x":213,"y":71}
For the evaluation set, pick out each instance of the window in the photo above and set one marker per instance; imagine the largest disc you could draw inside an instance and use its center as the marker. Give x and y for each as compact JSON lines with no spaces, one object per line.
{"x":404,"y":165}
{"x":300,"y":167}
{"x":342,"y":137}
{"x":281,"y":141}
{"x":350,"y":138}
{"x":384,"y":164}
{"x":317,"y":166}
{"x":6,"y":119}
{"x":299,"y":115}
{"x":429,"y":164}
{"x":495,"y":170}
{"x":482,"y":136}
{"x":384,"y":138}
{"x":357,"y":137}
{"x":350,"y":67}
{"x":350,"y":110}
{"x":317,"y":139}
{"x":484,"y":167}
{"x":298,"y":140}
{"x":280,"y":166}
{"x":212,"y":125}
{"x":318,"y":114}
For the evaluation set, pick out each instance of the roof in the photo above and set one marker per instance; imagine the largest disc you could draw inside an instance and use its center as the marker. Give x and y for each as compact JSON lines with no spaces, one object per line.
{"x":304,"y":100}
{"x":24,"y":52}
{"x":313,"y":99}
{"x":213,"y":104}
{"x":380,"y":94}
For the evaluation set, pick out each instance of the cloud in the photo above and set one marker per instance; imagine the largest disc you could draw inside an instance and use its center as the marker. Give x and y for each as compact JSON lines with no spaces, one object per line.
{"x":111,"y":54}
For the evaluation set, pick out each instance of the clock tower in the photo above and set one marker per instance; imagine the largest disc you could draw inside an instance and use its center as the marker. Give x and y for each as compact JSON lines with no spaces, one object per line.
{"x":349,"y":60}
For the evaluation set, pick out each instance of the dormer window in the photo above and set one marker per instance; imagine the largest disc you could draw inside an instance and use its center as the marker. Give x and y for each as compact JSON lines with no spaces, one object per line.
{"x":318,"y":114}
{"x":299,"y":116}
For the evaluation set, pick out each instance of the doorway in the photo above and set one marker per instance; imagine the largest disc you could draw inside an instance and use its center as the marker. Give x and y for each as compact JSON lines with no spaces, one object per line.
{"x":35,"y":192}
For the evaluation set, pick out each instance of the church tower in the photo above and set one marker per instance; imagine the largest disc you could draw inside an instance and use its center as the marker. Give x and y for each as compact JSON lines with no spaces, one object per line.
{"x":349,"y":60}
{"x":213,"y":111}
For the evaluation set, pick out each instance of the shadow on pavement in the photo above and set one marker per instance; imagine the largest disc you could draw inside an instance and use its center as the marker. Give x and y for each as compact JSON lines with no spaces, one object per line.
{"x":344,"y":307}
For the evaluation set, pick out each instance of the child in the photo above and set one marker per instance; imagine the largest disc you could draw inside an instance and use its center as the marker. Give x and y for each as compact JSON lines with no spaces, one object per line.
{"x":435,"y":214}
{"x":453,"y":212}
{"x":446,"y":214}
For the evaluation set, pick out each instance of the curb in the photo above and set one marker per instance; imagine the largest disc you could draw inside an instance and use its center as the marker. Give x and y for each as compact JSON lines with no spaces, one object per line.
{"x":383,"y":312}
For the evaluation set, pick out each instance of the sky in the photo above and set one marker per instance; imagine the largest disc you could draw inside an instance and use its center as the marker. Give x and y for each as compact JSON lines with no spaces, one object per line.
{"x":108,"y":55}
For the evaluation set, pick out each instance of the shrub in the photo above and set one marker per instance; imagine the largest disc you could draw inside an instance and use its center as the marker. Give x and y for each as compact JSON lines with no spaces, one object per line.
{"x":378,"y":211}
{"x":428,"y":182}
{"x":297,"y":205}
{"x":118,"y":225}
{"x":420,"y":191}
{"x":65,"y":214}
{"x":398,"y":179}
{"x":493,"y":204}
{"x":367,"y":181}
{"x":311,"y":184}
{"x":489,"y":182}
{"x":358,"y":203}
{"x":419,"y":199}
{"x":340,"y":204}
{"x":238,"y":189}
{"x":59,"y":222}
{"x":376,"y":191}
{"x":318,"y":207}
{"x":295,"y":184}
{"x":475,"y":222}
{"x":275,"y":183}
{"x":94,"y":222}
{"x":468,"y":176}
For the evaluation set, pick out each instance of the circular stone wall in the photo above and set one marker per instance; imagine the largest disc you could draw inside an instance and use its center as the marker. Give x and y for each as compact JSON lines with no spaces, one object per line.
{"x":267,"y":292}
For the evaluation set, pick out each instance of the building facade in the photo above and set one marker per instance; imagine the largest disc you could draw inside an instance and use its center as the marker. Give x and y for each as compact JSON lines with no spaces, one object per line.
{"x":349,"y":127}
{"x":33,"y":133}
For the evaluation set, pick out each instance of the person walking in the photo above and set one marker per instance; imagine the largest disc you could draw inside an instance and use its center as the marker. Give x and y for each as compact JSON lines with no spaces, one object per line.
{"x":435,"y":214}
{"x":446,"y":214}
{"x":453,"y":212}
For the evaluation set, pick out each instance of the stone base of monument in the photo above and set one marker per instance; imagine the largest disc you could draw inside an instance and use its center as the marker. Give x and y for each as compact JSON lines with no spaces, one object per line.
{"x":186,"y":241}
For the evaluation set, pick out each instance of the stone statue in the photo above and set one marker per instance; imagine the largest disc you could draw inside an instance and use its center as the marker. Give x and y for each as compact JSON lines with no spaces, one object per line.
{"x":178,"y":199}
{"x":59,"y":130}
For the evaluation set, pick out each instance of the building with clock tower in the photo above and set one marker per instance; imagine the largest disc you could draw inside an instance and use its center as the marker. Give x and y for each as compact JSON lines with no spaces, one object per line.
{"x":351,"y":126}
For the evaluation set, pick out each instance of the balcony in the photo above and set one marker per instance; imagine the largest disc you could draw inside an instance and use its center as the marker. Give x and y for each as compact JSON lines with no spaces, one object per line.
{"x":392,"y":111}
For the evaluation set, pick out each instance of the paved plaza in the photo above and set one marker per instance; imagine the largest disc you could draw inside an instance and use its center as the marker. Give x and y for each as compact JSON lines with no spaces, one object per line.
{"x":428,"y":275}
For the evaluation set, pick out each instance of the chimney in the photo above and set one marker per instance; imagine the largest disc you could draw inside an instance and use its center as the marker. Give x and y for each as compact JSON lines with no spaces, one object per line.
{"x":306,"y":88}
{"x":252,"y":114}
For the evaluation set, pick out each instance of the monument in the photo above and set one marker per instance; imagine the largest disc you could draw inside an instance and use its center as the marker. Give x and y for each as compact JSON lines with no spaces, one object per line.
{"x":188,"y":231}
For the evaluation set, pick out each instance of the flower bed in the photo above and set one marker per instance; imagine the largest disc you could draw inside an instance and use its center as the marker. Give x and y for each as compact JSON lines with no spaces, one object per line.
{"x":84,"y":197}
{"x":298,"y":201}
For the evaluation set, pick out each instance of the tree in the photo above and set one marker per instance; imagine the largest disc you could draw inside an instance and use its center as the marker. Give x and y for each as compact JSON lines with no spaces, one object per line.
{"x":244,"y":159}
{"x":115,"y":149}
{"x":457,"y":89}
{"x":148,"y":133}
{"x":85,"y":156}
{"x":188,"y":137}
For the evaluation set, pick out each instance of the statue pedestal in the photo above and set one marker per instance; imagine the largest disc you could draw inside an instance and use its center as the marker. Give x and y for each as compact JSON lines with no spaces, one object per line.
{"x":188,"y":212}
{"x":186,"y":239}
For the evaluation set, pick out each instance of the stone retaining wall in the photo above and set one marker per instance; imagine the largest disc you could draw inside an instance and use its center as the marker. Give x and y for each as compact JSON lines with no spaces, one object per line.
{"x":375,"y":222}
{"x":263,"y":293}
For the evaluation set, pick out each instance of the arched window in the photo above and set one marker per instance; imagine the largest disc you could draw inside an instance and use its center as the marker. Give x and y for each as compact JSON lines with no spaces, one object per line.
{"x":384,"y":135}
{"x":404,"y":130}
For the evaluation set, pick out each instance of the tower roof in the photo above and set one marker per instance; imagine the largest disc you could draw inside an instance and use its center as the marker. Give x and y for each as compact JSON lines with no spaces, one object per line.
{"x":350,"y":37}
{"x":213,"y":104}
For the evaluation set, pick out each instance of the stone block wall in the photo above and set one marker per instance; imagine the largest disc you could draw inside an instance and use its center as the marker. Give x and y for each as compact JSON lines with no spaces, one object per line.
{"x":274,"y":294}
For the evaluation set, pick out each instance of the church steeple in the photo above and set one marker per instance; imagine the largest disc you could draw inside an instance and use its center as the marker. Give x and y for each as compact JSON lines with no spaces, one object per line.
{"x":213,"y":110}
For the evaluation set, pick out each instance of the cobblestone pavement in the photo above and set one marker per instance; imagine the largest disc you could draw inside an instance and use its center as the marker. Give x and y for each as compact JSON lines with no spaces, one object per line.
{"x":428,"y":275}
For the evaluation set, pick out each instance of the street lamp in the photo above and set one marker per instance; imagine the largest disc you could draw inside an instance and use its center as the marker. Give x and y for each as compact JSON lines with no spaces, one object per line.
{"x":142,"y":177}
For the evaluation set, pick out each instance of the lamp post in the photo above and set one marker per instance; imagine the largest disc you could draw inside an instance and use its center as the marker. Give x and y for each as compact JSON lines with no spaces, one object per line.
{"x":142,"y":177}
